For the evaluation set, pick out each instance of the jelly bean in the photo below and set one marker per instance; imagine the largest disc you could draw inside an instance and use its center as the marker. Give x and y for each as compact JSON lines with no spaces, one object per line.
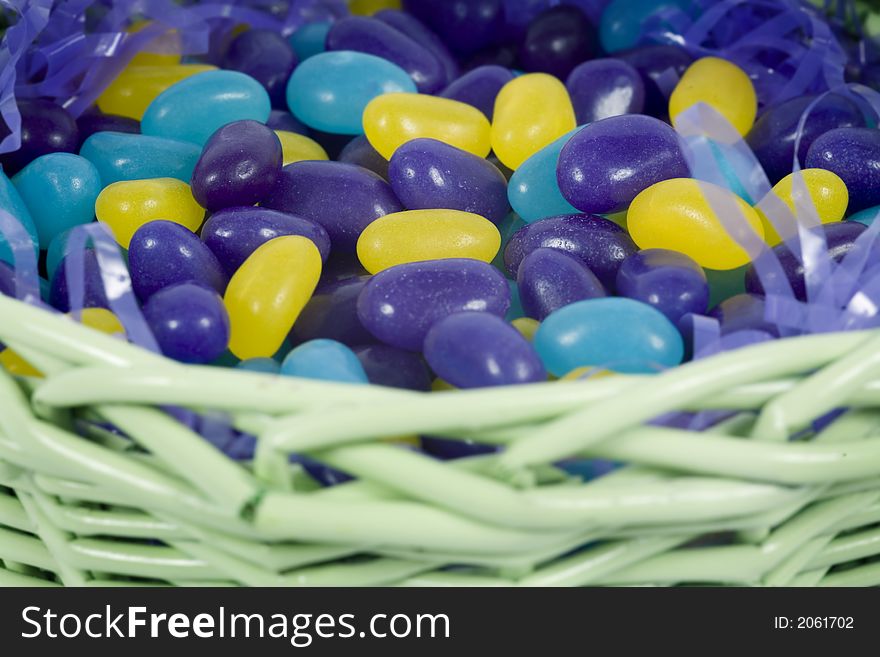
{"x":45,"y":128}
{"x":676,"y":215}
{"x":533,"y":191}
{"x":416,"y":235}
{"x":828,"y":200}
{"x":267,"y":57}
{"x":623,"y":21}
{"x":854,"y":155}
{"x":285,"y":121}
{"x":359,"y":151}
{"x":156,"y":52}
{"x":426,"y":173}
{"x":96,"y":121}
{"x":600,"y":244}
{"x":549,"y":279}
{"x":296,"y":148}
{"x":324,"y":360}
{"x":370,"y":7}
{"x":605,"y":87}
{"x":332,"y":313}
{"x":657,"y":65}
{"x":531,"y":111}
{"x":264,"y":365}
{"x":265,"y":296}
{"x":557,"y":40}
{"x":866,"y":216}
{"x":330,"y":91}
{"x":189,"y":322}
{"x":193,"y":109}
{"x":466,"y":26}
{"x":310,"y":39}
{"x":342,"y":198}
{"x":421,"y":34}
{"x":59,"y":190}
{"x":7,"y":280}
{"x":773,"y":136}
{"x":605,"y":165}
{"x":163,"y":253}
{"x":94,"y":295}
{"x":616,"y":333}
{"x":526,"y":326}
{"x":11,"y":202}
{"x":669,"y":281}
{"x":239,"y":165}
{"x":395,"y":368}
{"x":399,"y":305}
{"x":55,"y":252}
{"x":720,"y":84}
{"x":475,"y":350}
{"x":448,"y":449}
{"x":132,"y":91}
{"x":743,"y":312}
{"x":119,"y":156}
{"x":126,"y":206}
{"x":102,"y":320}
{"x":479,"y":87}
{"x":233,"y":234}
{"x":393,"y":119}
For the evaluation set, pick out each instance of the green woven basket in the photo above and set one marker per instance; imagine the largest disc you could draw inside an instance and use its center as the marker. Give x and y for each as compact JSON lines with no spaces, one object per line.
{"x":741,"y":504}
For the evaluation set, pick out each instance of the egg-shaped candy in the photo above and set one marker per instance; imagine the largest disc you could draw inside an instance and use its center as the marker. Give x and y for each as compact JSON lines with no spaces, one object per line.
{"x":189,"y":322}
{"x":854,"y":155}
{"x":359,"y":151}
{"x":46,"y":127}
{"x":132,"y":91}
{"x":309,"y":39}
{"x":95,"y":121}
{"x":120,"y":156}
{"x":623,"y":21}
{"x":324,"y":360}
{"x":94,"y":294}
{"x":602,"y":88}
{"x":743,"y":312}
{"x":827,"y":202}
{"x":722,"y":85}
{"x":267,"y":57}
{"x":479,"y":87}
{"x":393,"y":367}
{"x":296,"y":148}
{"x":263,"y":365}
{"x":669,"y":281}
{"x":652,"y":62}
{"x":332,"y":313}
{"x":466,"y":26}
{"x":420,"y":33}
{"x":549,"y":279}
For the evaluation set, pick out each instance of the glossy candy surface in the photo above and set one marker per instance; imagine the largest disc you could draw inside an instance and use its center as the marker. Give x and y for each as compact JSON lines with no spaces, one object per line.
{"x":623,"y":20}
{"x":267,"y":57}
{"x":189,"y":322}
{"x":669,"y":281}
{"x":359,"y":151}
{"x":132,"y":91}
{"x":854,"y":155}
{"x":655,"y":65}
{"x":310,"y":39}
{"x":615,"y":333}
{"x":94,"y":295}
{"x":265,"y":296}
{"x":605,"y":165}
{"x":96,"y":121}
{"x":421,"y":34}
{"x":284,"y":120}
{"x":11,"y":202}
{"x":128,"y":205}
{"x":120,"y":156}
{"x":605,"y":87}
{"x":479,"y":87}
{"x":828,"y":200}
{"x":533,"y":190}
{"x":477,"y":349}
{"x":393,"y":367}
{"x":549,"y":279}
{"x":416,"y":235}
{"x":45,"y":128}
{"x":296,"y":148}
{"x":332,"y":313}
{"x":325,"y":360}
{"x":466,"y":26}
{"x":399,"y":305}
{"x":557,"y":40}
{"x":720,"y":84}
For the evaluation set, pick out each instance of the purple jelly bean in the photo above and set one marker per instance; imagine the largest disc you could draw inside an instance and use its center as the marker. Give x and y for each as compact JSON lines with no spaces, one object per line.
{"x":420,"y":33}
{"x":660,"y":68}
{"x":466,"y":26}
{"x":332,"y":314}
{"x":393,"y":367}
{"x":479,"y":87}
{"x":400,"y":304}
{"x":772,"y":138}
{"x":448,"y":449}
{"x":670,"y":281}
{"x":267,"y":57}
{"x":281,"y":120}
{"x":599,"y":243}
{"x":233,"y":234}
{"x":743,"y":312}
{"x":375,"y":37}
{"x":549,"y":279}
{"x":92,"y":122}
{"x":343,"y":198}
{"x":606,"y":164}
{"x":45,"y":128}
{"x":360,"y":151}
{"x":603,"y":88}
{"x":854,"y":155}
{"x":476,"y":350}
{"x":189,"y":322}
{"x":557,"y":40}
{"x":239,"y":165}
{"x":163,"y":253}
{"x":7,"y":280}
{"x":94,"y":295}
{"x":504,"y":55}
{"x":426,"y":174}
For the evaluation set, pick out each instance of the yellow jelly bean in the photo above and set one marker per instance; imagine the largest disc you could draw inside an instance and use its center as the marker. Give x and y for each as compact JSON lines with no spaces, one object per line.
{"x":137,"y":86}
{"x":531,"y":111}
{"x":723,"y":86}
{"x":828,"y":194}
{"x":127,"y":205}
{"x":439,"y":385}
{"x":101,"y":320}
{"x":296,"y":147}
{"x":267,"y":293}
{"x":169,"y":40}
{"x":16,"y":365}
{"x":675,"y":214}
{"x":370,"y":7}
{"x":391,"y":120}
{"x":527,"y":327}
{"x":415,"y":235}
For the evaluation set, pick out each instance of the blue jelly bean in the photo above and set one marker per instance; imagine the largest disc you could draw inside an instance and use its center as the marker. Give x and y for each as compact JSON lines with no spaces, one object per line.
{"x":549,"y":279}
{"x":614,"y":333}
{"x":283,"y":120}
{"x":189,"y":322}
{"x":193,"y":109}
{"x":332,"y":313}
{"x":623,"y":20}
{"x":557,"y":40}
{"x":55,"y":252}
{"x":516,"y":310}
{"x":479,"y":87}
{"x":533,"y":191}
{"x":854,"y":155}
{"x":94,"y":295}
{"x":164,"y":253}
{"x":605,"y":87}
{"x":120,"y":156}
{"x":466,"y":26}
{"x":421,"y":34}
{"x":669,"y":281}
{"x":264,"y":365}
{"x":59,"y":190}
{"x":866,"y":216}
{"x":393,"y":367}
{"x":329,"y":91}
{"x":310,"y":39}
{"x":325,"y":360}
{"x":448,"y":449}
{"x":267,"y":57}
{"x":476,"y":350}
{"x":11,"y":202}
{"x":360,"y":151}
{"x":46,"y":127}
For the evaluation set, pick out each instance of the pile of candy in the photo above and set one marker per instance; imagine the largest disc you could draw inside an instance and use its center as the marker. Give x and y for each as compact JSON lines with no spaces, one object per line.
{"x":453,"y":193}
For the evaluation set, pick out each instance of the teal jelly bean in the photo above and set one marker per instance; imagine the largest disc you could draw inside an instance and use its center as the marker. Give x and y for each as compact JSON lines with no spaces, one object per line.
{"x":866,"y":216}
{"x":326,"y":360}
{"x":265,"y":365}
{"x":516,"y":310}
{"x":623,"y":20}
{"x":533,"y":191}
{"x":615,"y":333}
{"x":55,"y":252}
{"x":330,"y":91}
{"x":11,"y":201}
{"x":194,"y":108}
{"x":123,"y":156}
{"x":59,"y":190}
{"x":309,"y":40}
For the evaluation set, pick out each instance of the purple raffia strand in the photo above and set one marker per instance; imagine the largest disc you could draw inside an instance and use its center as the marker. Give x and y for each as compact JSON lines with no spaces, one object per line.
{"x":706,"y":332}
{"x":27,"y":280}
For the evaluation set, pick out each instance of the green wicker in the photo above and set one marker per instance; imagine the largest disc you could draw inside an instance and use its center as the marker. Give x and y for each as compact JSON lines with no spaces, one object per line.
{"x":741,"y":504}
